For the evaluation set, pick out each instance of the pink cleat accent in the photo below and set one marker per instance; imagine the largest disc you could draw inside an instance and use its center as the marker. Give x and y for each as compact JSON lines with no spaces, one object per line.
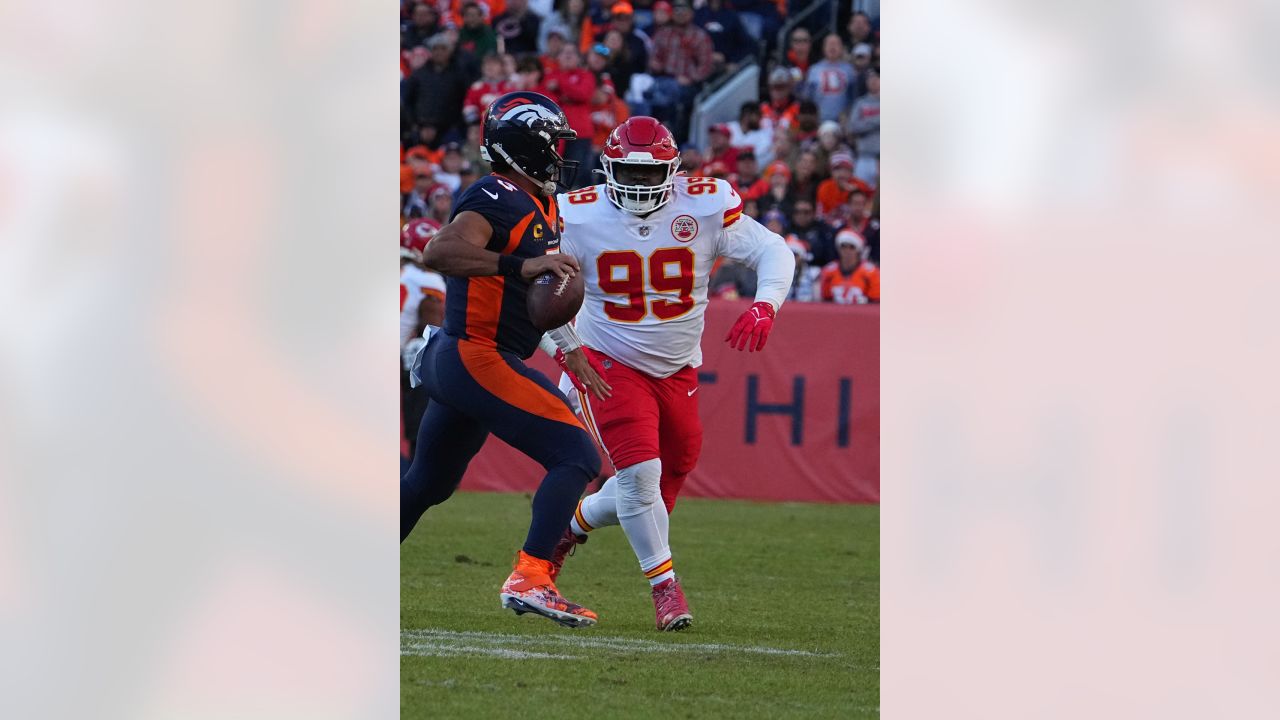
{"x":672,"y":609}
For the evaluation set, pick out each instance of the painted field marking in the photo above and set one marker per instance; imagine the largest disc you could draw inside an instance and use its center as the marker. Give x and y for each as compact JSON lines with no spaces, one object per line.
{"x":453,"y":642}
{"x":447,"y":650}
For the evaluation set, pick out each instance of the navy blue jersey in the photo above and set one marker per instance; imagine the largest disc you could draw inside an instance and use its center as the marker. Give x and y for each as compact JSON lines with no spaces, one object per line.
{"x":491,"y":309}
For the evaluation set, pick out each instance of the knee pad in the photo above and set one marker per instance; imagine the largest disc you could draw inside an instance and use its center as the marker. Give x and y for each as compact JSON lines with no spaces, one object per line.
{"x":638,"y":487}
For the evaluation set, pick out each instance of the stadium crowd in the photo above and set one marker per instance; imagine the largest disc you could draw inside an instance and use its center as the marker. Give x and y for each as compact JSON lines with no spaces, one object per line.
{"x":805,"y":159}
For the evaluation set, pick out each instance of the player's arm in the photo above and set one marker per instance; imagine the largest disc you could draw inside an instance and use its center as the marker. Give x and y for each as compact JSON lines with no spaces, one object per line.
{"x":586,"y":374}
{"x":459,"y":249}
{"x":763,"y":250}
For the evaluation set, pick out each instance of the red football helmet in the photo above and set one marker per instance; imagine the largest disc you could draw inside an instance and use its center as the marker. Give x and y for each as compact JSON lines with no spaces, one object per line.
{"x":414,"y":237}
{"x":640,"y":160}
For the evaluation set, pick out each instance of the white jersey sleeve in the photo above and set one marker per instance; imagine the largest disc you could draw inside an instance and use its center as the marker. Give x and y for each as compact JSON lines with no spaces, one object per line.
{"x":763,"y":250}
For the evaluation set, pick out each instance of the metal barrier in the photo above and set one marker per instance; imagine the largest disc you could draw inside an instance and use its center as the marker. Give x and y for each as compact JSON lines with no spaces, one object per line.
{"x":721,"y":102}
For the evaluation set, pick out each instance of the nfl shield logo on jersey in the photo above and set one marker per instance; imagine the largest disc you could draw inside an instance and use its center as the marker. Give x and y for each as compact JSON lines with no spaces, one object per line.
{"x":644,"y":231}
{"x":684,"y":228}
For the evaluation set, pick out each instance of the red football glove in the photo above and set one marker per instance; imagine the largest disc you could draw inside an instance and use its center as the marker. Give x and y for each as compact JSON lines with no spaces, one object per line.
{"x":573,"y":377}
{"x":752,"y":329}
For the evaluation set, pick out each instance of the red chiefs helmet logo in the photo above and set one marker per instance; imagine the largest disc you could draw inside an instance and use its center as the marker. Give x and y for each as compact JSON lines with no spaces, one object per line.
{"x":684,"y":228}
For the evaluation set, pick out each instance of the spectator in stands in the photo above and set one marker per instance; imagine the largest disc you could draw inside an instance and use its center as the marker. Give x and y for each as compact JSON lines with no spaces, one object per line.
{"x":662,"y":11}
{"x":805,"y":179}
{"x":861,"y":58}
{"x":780,"y":110}
{"x":720,"y":171}
{"x":414,"y":58}
{"x":620,"y":65}
{"x":748,"y":131}
{"x":833,"y":192}
{"x":518,"y":28}
{"x":850,"y":279}
{"x":748,"y":181}
{"x":435,"y":92}
{"x":476,"y":37}
{"x":720,"y":149}
{"x":864,"y":127}
{"x":728,"y":35}
{"x":531,"y":75}
{"x":784,"y":148}
{"x":805,"y":128}
{"x":775,"y":220}
{"x":855,"y":210}
{"x":421,"y":159}
{"x":692,"y":161}
{"x":424,"y":21}
{"x":554,"y":45}
{"x":860,"y":30}
{"x":417,"y":202}
{"x":804,"y":280}
{"x":799,"y":52}
{"x":777,"y":195}
{"x":607,"y":109}
{"x":491,"y":85}
{"x":467,"y":174}
{"x":681,"y":61}
{"x":832,"y":83}
{"x":574,"y":87}
{"x":439,"y":203}
{"x":872,"y":235}
{"x":622,"y":19}
{"x":732,"y":280}
{"x":815,"y":234}
{"x":449,"y":174}
{"x":830,"y":142}
{"x":567,"y":19}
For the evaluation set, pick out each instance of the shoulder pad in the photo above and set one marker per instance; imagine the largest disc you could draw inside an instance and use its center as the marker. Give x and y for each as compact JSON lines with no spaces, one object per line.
{"x":706,"y":196}
{"x":575,"y":206}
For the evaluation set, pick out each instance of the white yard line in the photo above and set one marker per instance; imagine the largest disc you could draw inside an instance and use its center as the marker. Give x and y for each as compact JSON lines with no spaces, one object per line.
{"x":430,"y":641}
{"x":448,"y":650}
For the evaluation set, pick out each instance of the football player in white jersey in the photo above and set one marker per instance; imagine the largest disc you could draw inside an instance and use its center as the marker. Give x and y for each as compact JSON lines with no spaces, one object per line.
{"x":415,"y":279}
{"x":646,"y":240}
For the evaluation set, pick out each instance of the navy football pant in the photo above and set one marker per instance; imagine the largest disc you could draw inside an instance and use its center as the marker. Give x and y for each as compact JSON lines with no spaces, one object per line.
{"x":476,"y":390}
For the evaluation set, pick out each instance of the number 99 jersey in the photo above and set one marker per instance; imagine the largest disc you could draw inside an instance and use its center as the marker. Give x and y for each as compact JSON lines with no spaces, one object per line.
{"x":646,"y":277}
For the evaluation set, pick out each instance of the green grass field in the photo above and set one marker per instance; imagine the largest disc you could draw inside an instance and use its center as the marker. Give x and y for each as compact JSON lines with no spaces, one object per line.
{"x":785,"y":599}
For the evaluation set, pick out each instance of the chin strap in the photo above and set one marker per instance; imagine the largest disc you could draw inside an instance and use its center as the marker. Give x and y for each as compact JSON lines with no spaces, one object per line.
{"x":548,"y":187}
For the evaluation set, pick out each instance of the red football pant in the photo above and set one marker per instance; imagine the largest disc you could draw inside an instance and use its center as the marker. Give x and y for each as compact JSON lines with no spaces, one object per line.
{"x":647,"y":418}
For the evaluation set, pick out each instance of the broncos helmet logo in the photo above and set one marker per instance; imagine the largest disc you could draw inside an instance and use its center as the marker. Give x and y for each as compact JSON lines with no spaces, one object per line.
{"x":527,"y":112}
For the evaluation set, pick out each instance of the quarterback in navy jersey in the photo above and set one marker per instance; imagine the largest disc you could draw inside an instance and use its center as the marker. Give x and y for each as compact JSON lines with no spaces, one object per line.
{"x":502,"y":235}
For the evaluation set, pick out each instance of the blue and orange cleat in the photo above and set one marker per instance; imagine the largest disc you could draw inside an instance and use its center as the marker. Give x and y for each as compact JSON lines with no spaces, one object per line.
{"x":668,"y":601}
{"x":529,"y":589}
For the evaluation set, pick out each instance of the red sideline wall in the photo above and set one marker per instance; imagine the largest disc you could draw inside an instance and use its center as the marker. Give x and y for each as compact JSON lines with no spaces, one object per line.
{"x":799,"y":421}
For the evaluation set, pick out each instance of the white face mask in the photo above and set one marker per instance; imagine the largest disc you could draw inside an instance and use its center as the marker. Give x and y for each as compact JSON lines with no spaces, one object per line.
{"x":639,"y":199}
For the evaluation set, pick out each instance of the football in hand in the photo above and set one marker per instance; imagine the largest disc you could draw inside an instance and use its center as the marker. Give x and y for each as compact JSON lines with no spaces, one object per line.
{"x":554,"y":301}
